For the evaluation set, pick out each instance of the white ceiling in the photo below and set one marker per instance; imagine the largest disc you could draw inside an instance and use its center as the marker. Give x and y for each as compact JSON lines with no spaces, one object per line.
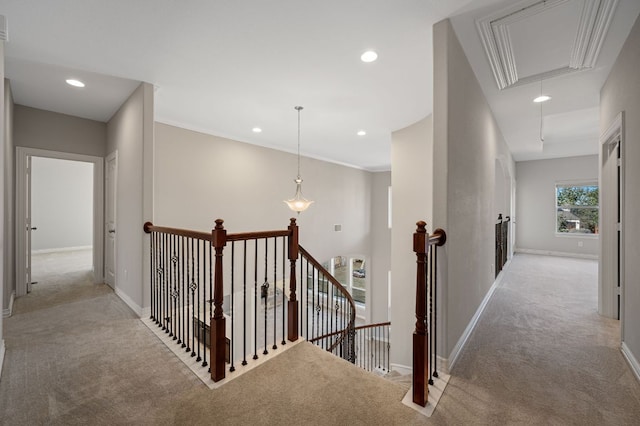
{"x":224,"y":67}
{"x":552,"y":46}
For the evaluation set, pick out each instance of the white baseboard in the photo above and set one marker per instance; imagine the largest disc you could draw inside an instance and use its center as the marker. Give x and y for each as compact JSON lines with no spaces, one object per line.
{"x":402,"y":369}
{"x":6,"y":313}
{"x":61,"y":249}
{"x":146,"y":312}
{"x":462,"y":341}
{"x":443,"y":366}
{"x":2,"y":351}
{"x":557,"y":253}
{"x":130,"y":303}
{"x":631,"y":359}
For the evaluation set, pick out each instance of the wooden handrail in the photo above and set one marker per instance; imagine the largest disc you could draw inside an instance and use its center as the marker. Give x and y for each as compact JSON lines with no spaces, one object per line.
{"x":344,"y":291}
{"x":380,"y":324}
{"x":150,"y":227}
{"x":360,"y":327}
{"x":257,"y":235}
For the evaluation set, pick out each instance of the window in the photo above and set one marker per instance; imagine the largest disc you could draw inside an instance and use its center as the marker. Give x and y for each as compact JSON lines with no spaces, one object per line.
{"x":577,"y":208}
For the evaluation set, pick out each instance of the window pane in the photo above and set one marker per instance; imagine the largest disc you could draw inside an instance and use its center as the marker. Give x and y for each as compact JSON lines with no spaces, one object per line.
{"x":577,"y":209}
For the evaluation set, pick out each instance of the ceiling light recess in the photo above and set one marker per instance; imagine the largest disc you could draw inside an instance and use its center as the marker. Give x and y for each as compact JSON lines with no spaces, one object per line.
{"x":361,"y":133}
{"x":369,"y":56}
{"x":256,"y":130}
{"x":74,"y":82}
{"x":542,"y":98}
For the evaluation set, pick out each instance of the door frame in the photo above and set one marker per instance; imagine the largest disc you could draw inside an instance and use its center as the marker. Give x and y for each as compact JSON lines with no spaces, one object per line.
{"x":607,"y":288}
{"x":98,"y":210}
{"x":111,"y":156}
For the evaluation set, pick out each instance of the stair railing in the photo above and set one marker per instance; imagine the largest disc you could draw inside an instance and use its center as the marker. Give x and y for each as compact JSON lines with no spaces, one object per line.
{"x":330,"y":309}
{"x":502,"y":242}
{"x":248,"y":301}
{"x":425,"y":335}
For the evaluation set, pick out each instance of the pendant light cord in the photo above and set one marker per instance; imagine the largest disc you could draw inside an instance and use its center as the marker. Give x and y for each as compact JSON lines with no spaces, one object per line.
{"x":298,"y":108}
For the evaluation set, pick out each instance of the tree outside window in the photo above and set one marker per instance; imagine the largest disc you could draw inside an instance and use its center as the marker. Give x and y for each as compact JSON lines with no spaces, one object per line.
{"x":577,"y":208}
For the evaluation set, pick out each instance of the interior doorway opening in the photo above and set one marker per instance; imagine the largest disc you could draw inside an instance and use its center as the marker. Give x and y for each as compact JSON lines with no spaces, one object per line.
{"x":61,"y":220}
{"x":53,"y":232}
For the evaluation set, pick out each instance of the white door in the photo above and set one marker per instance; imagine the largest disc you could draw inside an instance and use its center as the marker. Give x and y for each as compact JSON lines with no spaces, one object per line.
{"x":111,"y":180}
{"x":29,"y":228}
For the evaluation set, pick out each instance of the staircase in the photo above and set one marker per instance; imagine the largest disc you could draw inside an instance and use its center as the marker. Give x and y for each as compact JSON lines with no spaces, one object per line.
{"x":227,"y":302}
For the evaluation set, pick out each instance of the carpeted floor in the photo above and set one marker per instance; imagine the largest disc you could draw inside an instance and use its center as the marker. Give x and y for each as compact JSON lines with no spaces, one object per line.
{"x":540,"y":355}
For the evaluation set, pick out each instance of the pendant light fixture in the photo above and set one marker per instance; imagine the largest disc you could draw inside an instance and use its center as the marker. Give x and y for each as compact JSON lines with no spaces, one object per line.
{"x":298,"y":203}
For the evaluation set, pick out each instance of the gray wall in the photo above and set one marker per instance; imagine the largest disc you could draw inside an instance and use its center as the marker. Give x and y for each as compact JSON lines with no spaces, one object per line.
{"x":36,"y":128}
{"x":411,"y":177}
{"x":3,"y":133}
{"x":128,"y":133}
{"x":536,"y":203}
{"x":467,"y":142}
{"x":199,"y":178}
{"x":9,"y":201}
{"x":380,"y":246}
{"x":61,"y":203}
{"x":621,"y":92}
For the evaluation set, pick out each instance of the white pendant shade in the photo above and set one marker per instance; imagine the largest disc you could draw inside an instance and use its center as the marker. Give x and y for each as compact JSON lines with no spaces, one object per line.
{"x":298,"y":203}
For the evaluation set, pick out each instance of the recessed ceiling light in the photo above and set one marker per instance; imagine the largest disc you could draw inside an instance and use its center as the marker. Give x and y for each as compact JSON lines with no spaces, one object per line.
{"x":361,"y":133}
{"x":542,"y":98}
{"x":75,"y":83}
{"x":256,"y":130}
{"x":369,"y":56}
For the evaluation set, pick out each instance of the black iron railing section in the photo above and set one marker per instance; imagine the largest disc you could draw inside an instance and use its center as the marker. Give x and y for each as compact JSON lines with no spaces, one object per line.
{"x":425,"y":349}
{"x":181,"y":287}
{"x":238,"y":297}
{"x":502,"y":242}
{"x":372,"y":347}
{"x":329,"y":311}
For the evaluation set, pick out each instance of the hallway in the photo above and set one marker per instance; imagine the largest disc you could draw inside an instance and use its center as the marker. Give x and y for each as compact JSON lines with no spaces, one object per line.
{"x":540,"y":355}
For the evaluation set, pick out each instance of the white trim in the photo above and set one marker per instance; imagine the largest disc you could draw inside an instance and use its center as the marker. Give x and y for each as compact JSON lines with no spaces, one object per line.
{"x":61,"y":249}
{"x":402,"y":369}
{"x":130,"y":303}
{"x":607,"y":287}
{"x":98,"y":209}
{"x":557,"y":253}
{"x":6,"y":313}
{"x":496,"y":38}
{"x":631,"y":359}
{"x":443,"y":366}
{"x":2,"y":352}
{"x":462,"y":341}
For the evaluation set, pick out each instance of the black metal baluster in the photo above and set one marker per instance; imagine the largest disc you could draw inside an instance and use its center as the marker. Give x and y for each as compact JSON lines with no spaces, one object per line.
{"x":244,"y":309}
{"x":192,"y":287}
{"x":434,"y":274}
{"x":190,"y":298}
{"x":202,"y":311}
{"x":211,"y":267}
{"x":429,"y":304}
{"x":284,"y":289}
{"x":275,"y":292}
{"x":233,"y":306}
{"x":174,"y":289}
{"x":255,"y":301}
{"x":264,"y":293}
{"x":206,"y":246}
{"x":165,"y":290}
{"x":185,"y":293}
{"x":152,"y":281}
{"x":178,"y":286}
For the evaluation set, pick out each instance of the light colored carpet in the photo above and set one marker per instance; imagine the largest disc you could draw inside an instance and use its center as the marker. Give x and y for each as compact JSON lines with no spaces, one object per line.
{"x":540,"y":355}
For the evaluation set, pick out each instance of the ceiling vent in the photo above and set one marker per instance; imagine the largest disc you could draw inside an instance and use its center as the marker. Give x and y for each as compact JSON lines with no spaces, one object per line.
{"x":533,"y":41}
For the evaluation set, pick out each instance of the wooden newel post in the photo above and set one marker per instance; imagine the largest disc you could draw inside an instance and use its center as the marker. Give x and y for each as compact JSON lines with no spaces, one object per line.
{"x":292,"y":307}
{"x":218,"y":321}
{"x":420,"y":335}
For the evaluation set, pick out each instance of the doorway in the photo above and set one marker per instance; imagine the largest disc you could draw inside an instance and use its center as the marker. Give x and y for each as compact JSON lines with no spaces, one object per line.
{"x":611,"y":277}
{"x":54,"y":229}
